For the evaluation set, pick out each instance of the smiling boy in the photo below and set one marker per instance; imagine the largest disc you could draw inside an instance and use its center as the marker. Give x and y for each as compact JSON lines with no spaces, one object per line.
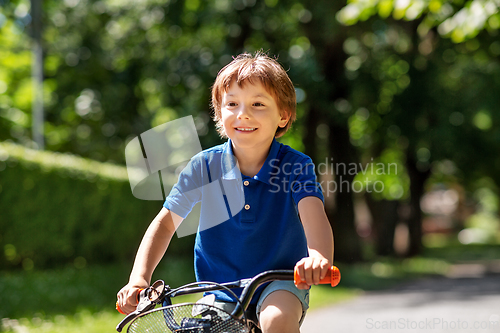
{"x":254,"y":103}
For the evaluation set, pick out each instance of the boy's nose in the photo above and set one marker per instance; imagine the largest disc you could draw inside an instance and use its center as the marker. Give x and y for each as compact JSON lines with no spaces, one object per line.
{"x":243,"y":113}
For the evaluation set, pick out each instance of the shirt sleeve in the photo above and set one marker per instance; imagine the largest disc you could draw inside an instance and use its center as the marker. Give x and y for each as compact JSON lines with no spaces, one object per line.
{"x":305,"y":184}
{"x":187,"y":191}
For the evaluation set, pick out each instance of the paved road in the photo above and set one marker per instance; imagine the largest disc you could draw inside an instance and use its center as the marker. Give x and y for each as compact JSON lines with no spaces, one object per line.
{"x":430,"y":305}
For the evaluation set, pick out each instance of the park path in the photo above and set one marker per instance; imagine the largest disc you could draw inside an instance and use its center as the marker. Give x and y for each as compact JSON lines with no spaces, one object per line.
{"x":431,"y":305}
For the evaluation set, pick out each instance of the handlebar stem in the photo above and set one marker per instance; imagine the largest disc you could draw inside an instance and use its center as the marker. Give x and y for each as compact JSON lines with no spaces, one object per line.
{"x":255,"y":282}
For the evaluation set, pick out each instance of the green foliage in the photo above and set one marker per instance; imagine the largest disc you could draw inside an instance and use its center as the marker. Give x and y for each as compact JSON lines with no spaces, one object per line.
{"x":484,"y":225}
{"x":115,"y":69}
{"x":385,"y":177}
{"x":15,"y":89}
{"x":59,"y":209}
{"x":454,"y":19}
{"x":415,"y":92}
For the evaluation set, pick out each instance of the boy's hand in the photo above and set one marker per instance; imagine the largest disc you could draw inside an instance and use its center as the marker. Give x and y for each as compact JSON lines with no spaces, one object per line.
{"x":127,"y":297}
{"x":312,"y":270}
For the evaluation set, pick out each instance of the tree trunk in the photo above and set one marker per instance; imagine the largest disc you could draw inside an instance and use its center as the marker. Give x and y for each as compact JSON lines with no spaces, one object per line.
{"x":309,"y":139}
{"x":417,"y":182}
{"x":385,"y":218}
{"x":347,"y":242}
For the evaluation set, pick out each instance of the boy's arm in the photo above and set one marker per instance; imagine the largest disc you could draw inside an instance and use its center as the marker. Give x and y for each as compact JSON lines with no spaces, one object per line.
{"x":152,"y":248}
{"x":319,"y":241}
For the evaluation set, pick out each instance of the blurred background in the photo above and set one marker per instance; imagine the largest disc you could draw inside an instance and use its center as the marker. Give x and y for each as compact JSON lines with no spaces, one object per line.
{"x":398,"y":106}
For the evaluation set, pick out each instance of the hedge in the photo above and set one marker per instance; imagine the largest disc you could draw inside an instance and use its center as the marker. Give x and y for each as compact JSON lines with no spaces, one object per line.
{"x":57,"y":209}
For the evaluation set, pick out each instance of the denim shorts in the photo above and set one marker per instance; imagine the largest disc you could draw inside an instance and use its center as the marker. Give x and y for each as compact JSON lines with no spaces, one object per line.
{"x":302,"y":295}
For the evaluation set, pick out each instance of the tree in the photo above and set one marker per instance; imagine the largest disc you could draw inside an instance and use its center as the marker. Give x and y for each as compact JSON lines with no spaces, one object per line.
{"x":422,"y":91}
{"x":384,"y":84}
{"x":15,"y":61}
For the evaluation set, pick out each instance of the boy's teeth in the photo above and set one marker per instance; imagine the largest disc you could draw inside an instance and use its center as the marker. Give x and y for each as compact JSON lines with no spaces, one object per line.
{"x":245,"y":129}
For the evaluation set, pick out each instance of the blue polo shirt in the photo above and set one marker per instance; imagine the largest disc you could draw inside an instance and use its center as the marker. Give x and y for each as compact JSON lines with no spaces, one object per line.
{"x":247,"y":224}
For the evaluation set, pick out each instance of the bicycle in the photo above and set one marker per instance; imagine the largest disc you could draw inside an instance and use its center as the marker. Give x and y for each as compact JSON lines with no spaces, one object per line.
{"x":199,"y":317}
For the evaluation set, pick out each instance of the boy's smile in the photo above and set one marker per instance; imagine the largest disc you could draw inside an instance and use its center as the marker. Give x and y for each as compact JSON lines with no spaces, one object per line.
{"x":250,"y":117}
{"x":245,"y":129}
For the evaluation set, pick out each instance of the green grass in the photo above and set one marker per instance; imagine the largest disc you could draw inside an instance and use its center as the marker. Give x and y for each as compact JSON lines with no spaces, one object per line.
{"x":82,"y":321}
{"x":321,"y":296}
{"x":70,"y":299}
{"x":455,"y":252}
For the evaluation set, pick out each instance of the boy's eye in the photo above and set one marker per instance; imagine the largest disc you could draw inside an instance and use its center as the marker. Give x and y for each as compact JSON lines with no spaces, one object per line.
{"x":258,"y":104}
{"x":231,"y":104}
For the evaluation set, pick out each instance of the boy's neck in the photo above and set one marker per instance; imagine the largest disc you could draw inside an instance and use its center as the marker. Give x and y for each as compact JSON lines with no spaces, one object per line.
{"x":250,"y":161}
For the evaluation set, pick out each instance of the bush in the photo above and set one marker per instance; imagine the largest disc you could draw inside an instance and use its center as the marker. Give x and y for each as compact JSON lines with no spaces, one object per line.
{"x":58,"y":208}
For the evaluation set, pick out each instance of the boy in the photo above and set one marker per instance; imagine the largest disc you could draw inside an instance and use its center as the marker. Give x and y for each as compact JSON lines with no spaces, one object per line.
{"x":282,"y":224}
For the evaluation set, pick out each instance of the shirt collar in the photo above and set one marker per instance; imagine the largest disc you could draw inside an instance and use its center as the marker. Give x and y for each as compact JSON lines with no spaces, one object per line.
{"x":264,"y":174}
{"x":228,"y":162}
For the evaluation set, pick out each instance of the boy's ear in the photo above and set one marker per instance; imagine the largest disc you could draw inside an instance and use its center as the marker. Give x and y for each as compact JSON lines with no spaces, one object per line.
{"x":285,"y":117}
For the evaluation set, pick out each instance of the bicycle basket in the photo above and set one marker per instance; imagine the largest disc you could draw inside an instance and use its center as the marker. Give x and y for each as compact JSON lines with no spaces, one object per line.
{"x":187,"y":318}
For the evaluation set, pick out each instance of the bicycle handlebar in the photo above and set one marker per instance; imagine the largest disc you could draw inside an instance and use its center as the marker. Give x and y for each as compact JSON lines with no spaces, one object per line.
{"x":258,"y":280}
{"x":332,"y":278}
{"x":249,"y":286}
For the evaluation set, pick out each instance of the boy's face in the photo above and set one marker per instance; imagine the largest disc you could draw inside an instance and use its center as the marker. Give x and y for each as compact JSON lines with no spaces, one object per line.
{"x":250,"y":115}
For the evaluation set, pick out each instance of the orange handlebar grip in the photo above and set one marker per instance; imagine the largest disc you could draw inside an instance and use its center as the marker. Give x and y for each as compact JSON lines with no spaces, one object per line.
{"x":332,"y":277}
{"x":118,"y":307}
